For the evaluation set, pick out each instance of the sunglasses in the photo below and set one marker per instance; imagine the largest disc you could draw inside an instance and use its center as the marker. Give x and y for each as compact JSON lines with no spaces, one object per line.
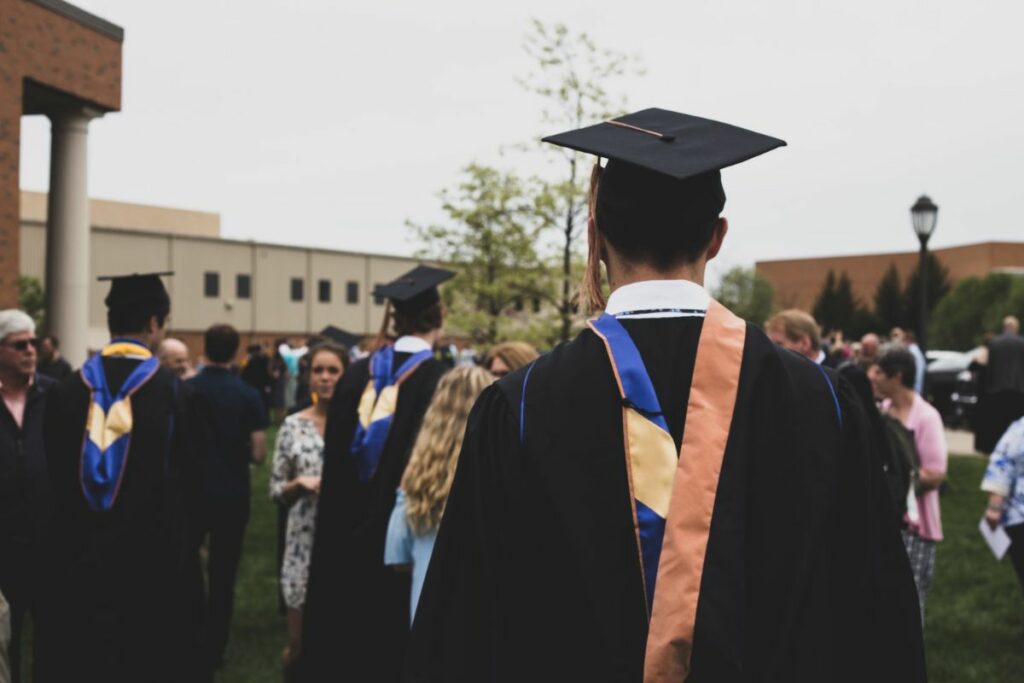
{"x":23,"y":344}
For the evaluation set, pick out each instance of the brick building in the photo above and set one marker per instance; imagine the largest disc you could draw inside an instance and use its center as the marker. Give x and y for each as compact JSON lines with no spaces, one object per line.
{"x":58,"y":61}
{"x":798,"y":282}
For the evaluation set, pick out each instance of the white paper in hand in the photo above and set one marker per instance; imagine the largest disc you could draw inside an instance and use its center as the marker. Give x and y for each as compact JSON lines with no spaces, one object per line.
{"x":998,"y":541}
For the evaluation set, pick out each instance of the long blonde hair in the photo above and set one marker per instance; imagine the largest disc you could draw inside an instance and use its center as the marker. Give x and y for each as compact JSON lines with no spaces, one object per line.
{"x":428,"y":476}
{"x":515,"y":354}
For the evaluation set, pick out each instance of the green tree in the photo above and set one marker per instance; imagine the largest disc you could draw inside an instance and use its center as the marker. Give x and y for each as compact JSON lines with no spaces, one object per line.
{"x":494,"y":222}
{"x":889,"y":304}
{"x":974,"y":307}
{"x":824,"y":310}
{"x":845,"y":305}
{"x":746,"y":293}
{"x":836,"y":307}
{"x":1011,"y":304}
{"x":938,"y":287}
{"x":861,"y":322}
{"x":32,"y":299}
{"x":570,"y":73}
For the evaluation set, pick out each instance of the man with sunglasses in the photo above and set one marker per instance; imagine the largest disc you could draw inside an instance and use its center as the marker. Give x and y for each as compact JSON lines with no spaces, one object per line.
{"x":24,"y":489}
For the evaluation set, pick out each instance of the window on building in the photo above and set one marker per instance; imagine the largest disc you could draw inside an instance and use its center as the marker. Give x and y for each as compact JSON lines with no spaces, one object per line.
{"x":324,"y":287}
{"x":297,"y":293}
{"x":352,"y":292}
{"x":378,"y":300}
{"x":211,"y":285}
{"x":243,"y":286}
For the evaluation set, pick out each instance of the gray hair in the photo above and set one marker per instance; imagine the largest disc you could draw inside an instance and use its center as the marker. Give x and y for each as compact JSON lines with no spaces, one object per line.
{"x":13,"y":321}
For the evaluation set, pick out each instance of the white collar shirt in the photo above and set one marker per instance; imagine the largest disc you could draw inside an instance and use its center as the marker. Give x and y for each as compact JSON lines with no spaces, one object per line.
{"x":412,"y":344}
{"x":658,"y":299}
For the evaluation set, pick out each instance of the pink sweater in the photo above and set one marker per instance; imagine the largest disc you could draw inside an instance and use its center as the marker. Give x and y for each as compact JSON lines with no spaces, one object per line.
{"x":930,"y":438}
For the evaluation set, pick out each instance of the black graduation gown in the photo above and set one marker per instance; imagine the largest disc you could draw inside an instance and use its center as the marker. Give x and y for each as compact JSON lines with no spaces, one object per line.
{"x":125,"y":583}
{"x":356,"y":615}
{"x":535,"y":574}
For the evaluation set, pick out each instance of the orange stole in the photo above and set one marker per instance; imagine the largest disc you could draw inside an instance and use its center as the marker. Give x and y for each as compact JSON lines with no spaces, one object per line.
{"x":713,"y":390}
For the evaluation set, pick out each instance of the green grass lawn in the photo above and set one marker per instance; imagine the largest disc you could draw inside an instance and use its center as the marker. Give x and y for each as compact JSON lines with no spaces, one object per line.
{"x":974,"y":625}
{"x":975,"y":620}
{"x":258,"y":632}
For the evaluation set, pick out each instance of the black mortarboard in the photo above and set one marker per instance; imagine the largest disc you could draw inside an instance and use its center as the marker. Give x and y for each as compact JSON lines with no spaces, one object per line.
{"x":667,"y":142}
{"x":340,"y":336}
{"x":663,"y":167}
{"x":136,"y":289}
{"x":416,"y":290}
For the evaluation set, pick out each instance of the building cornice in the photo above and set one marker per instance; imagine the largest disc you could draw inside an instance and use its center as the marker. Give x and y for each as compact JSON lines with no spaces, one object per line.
{"x":77,"y":14}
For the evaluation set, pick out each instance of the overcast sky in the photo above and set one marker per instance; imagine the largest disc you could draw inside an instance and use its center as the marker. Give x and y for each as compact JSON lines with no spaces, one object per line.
{"x":325,"y":123}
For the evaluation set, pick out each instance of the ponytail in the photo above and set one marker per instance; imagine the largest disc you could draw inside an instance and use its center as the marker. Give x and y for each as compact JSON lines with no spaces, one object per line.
{"x":591,"y":292}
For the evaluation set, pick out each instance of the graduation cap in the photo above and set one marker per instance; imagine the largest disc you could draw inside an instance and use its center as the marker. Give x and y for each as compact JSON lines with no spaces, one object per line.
{"x":664,"y":168}
{"x":136,"y":289}
{"x":340,"y":336}
{"x":416,"y":290}
{"x":676,"y":145}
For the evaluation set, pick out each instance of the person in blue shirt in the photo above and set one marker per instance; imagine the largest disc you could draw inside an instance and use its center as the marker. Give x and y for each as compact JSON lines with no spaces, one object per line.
{"x":235,"y":420}
{"x":420,"y":501}
{"x":1004,"y":482}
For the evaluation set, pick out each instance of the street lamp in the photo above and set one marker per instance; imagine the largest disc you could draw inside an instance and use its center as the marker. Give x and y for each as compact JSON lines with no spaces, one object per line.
{"x":924,"y":213}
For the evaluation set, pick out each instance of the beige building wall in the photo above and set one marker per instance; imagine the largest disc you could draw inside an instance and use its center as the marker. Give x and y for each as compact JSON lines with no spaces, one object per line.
{"x":194,"y":251}
{"x":339,"y":270}
{"x":127,"y":216}
{"x":32,"y":248}
{"x":275,"y":268}
{"x":191,"y":260}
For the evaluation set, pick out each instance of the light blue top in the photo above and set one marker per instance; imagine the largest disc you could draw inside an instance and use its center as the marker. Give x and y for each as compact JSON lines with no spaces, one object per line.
{"x":1005,"y":473}
{"x":920,"y":365}
{"x":403,"y":547}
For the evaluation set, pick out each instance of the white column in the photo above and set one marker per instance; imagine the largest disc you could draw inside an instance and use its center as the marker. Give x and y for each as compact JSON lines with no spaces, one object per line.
{"x":67,"y":234}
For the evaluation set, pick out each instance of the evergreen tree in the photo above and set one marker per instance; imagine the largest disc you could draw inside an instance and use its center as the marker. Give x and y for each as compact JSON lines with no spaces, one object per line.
{"x":845,"y":305}
{"x":825,"y":304}
{"x":889,"y":304}
{"x":938,"y":287}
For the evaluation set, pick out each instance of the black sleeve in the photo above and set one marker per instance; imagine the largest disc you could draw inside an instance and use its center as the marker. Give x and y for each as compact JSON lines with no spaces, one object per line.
{"x":319,"y":634}
{"x":190,"y":442}
{"x":874,"y":583}
{"x":458,"y":620}
{"x":63,"y":432}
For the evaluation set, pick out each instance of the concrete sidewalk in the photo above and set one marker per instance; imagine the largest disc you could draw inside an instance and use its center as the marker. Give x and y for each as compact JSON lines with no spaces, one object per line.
{"x":961,"y":442}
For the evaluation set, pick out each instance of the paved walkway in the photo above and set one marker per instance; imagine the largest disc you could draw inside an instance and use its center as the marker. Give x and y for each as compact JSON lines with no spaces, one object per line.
{"x":961,"y":443}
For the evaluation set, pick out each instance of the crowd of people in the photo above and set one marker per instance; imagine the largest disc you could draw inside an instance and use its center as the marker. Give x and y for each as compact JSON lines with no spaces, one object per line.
{"x":673,"y":495}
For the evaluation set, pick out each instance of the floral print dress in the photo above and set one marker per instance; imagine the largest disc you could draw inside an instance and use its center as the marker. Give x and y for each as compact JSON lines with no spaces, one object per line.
{"x":299,"y":452}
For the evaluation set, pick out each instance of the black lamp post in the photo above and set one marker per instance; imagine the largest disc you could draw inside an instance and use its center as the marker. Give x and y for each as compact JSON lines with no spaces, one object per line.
{"x":924,"y":214}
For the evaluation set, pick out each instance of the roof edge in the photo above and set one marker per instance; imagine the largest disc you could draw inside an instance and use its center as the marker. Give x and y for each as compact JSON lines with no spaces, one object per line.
{"x":84,"y":18}
{"x":990,"y":244}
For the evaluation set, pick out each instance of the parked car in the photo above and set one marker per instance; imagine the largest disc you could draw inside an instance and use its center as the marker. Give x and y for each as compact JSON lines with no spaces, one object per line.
{"x":951,"y":386}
